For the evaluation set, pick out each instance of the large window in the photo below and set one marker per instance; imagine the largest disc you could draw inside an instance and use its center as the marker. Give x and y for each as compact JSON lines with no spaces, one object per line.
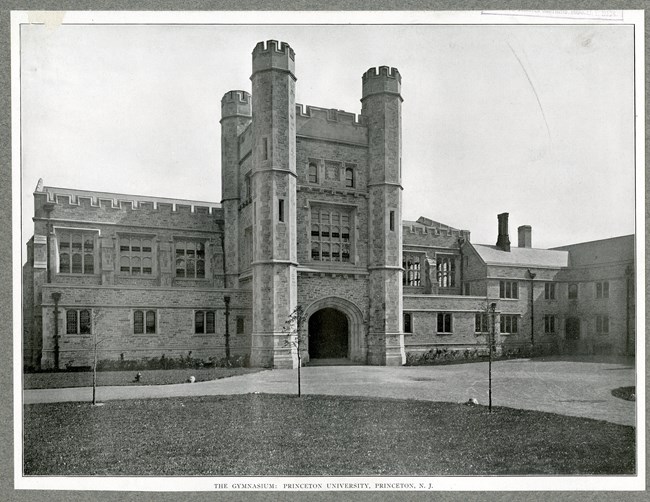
{"x":508,"y":289}
{"x":444,"y":323}
{"x":190,"y":259}
{"x":77,"y":322}
{"x":549,"y":291}
{"x":446,"y":271}
{"x":549,"y":324}
{"x":204,"y":321}
{"x":509,"y":324}
{"x":602,"y":290}
{"x":412,"y":270}
{"x":76,"y":252}
{"x":144,"y":322}
{"x":330,"y":235}
{"x":136,"y":255}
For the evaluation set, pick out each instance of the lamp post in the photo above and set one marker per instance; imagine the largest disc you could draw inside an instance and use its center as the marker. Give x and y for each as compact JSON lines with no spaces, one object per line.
{"x":493,"y":307}
{"x":226,"y":300}
{"x":56,"y":296}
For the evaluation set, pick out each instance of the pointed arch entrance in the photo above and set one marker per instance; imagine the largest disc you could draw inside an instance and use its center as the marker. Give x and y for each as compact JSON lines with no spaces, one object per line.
{"x":335,"y":330}
{"x":328,"y":334}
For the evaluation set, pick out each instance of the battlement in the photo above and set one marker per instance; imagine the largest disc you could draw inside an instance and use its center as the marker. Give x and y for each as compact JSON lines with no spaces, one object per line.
{"x":382,"y":80}
{"x":236,"y":103}
{"x":104,"y":200}
{"x":274,"y":55}
{"x":329,"y":114}
{"x":426,"y":227}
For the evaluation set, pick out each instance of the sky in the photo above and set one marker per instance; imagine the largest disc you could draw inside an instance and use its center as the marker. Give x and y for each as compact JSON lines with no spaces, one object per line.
{"x":536,"y":121}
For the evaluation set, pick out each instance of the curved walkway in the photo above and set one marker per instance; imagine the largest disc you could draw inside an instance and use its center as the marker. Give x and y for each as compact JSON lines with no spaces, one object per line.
{"x":574,"y":388}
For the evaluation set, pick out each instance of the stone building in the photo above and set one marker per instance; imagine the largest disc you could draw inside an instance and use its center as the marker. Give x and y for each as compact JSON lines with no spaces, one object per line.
{"x":310,"y":217}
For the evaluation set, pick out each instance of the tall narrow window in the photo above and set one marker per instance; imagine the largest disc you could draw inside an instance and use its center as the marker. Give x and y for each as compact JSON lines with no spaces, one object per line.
{"x":549,"y":324}
{"x":349,"y":177}
{"x":481,"y":323}
{"x":602,"y":324}
{"x":265,"y":149}
{"x":392,"y":221}
{"x":240,"y":325}
{"x":313,"y":172}
{"x":281,"y":210}
{"x":573,"y":291}
{"x":408,"y":326}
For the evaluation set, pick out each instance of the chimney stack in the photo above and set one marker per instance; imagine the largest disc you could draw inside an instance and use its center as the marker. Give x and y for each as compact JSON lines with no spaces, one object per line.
{"x":503,"y":241}
{"x":525,"y":236}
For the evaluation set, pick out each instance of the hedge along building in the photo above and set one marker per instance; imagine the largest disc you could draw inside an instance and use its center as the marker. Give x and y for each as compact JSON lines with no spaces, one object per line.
{"x":310,"y":216}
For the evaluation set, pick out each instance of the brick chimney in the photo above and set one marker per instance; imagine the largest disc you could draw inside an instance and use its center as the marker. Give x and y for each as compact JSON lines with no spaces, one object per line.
{"x":525,"y":236}
{"x":503,"y":240}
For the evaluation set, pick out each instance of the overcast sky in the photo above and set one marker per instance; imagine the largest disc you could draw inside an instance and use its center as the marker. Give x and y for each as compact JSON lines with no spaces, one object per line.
{"x":533,"y":120}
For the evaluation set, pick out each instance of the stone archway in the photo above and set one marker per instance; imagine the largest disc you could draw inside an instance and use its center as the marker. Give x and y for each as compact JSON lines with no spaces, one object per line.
{"x":328,"y":335}
{"x":335,"y":312}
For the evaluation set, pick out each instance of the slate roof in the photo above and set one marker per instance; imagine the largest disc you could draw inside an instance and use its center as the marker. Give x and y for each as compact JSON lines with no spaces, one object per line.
{"x":524,"y":257}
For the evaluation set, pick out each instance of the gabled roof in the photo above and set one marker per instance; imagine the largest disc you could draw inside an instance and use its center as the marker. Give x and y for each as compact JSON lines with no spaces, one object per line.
{"x":523,"y":257}
{"x":600,"y":252}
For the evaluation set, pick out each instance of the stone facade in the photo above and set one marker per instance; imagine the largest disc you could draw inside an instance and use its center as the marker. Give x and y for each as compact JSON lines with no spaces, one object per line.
{"x":310,"y":217}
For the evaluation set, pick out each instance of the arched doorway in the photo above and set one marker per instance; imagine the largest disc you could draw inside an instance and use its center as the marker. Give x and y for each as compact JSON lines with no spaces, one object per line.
{"x":328,"y":334}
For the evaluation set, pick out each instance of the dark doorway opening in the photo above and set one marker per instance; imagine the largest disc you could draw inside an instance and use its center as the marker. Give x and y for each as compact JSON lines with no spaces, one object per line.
{"x":328,"y":335}
{"x":572,"y":334}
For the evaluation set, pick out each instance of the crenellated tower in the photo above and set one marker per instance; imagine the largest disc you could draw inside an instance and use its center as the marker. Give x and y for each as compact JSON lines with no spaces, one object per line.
{"x":235,"y":118}
{"x":274,"y":202}
{"x":381,"y":109}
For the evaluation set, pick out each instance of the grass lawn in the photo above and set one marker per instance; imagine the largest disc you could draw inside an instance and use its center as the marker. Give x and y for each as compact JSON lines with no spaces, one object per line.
{"x":261,"y":434}
{"x":61,"y":379}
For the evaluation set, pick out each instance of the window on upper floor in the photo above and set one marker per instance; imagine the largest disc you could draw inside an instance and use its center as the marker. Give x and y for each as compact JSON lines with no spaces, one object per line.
{"x":602,"y":289}
{"x":412,"y":270}
{"x":446,"y":271}
{"x":573,"y":291}
{"x":136,"y":255}
{"x":144,"y":322}
{"x":349,"y":177}
{"x":190,"y":259}
{"x":444,"y":323}
{"x":549,"y":291}
{"x":330,"y":234}
{"x":76,"y":251}
{"x":240,"y":325}
{"x":508,"y":289}
{"x":313,"y":172}
{"x":78,"y":322}
{"x":204,"y":321}
{"x":508,"y":324}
